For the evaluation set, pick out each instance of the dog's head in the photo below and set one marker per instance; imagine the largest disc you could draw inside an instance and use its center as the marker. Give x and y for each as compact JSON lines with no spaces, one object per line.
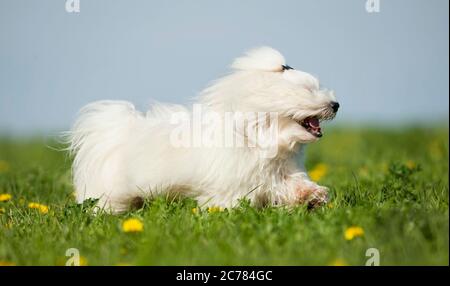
{"x":263,"y":82}
{"x":268,"y":84}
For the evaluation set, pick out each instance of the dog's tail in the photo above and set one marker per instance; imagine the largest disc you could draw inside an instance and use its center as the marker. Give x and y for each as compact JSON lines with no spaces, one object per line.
{"x":97,"y":141}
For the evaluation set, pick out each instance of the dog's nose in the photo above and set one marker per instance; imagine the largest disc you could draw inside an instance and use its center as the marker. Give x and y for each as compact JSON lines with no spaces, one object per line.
{"x":334,"y":106}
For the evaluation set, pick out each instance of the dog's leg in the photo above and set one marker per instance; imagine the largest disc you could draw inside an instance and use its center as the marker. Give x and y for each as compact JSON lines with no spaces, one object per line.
{"x":307,"y":191}
{"x":297,"y":189}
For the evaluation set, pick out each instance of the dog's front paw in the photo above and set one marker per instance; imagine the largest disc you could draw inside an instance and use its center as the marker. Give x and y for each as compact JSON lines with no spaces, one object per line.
{"x":312,"y":195}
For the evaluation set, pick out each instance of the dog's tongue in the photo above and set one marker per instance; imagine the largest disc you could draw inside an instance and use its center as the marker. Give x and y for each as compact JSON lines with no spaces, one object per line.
{"x":313,"y":122}
{"x":313,"y":126}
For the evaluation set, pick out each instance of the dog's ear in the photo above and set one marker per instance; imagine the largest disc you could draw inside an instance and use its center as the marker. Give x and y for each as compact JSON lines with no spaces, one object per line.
{"x":263,"y":59}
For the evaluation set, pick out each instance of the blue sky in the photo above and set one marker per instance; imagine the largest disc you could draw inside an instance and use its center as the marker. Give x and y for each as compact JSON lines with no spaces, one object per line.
{"x":388,"y":67}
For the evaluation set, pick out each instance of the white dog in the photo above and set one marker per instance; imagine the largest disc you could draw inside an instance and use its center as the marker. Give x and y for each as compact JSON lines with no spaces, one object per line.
{"x":122,"y":155}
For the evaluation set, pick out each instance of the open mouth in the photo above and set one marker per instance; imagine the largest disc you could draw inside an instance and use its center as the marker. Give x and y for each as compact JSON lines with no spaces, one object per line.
{"x":312,"y":125}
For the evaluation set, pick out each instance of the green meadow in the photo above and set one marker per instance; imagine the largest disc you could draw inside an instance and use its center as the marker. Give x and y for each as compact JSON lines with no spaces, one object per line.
{"x":388,"y":188}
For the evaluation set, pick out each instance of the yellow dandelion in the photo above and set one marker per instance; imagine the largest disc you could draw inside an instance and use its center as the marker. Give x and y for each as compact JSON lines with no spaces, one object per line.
{"x":5,"y":197}
{"x":83,"y":261}
{"x":318,"y":172}
{"x":338,"y":262}
{"x":4,"y":166}
{"x":352,"y":232}
{"x":195,"y":210}
{"x":7,"y":263}
{"x":410,"y":164}
{"x":43,"y":209}
{"x":123,"y":264}
{"x":330,"y":205}
{"x":215,"y":209}
{"x":132,"y":225}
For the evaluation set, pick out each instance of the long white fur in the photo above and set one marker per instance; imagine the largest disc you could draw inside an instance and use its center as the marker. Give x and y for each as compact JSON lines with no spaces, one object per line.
{"x":120,"y":153}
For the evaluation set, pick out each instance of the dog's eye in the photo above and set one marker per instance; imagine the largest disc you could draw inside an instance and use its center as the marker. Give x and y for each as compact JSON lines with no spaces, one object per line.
{"x":286,"y":67}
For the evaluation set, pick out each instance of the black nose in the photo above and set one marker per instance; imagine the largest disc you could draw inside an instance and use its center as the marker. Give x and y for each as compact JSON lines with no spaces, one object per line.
{"x":335,"y":106}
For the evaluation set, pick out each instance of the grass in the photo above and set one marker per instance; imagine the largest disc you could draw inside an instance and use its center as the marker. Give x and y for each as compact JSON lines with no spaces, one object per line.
{"x":391,"y":183}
